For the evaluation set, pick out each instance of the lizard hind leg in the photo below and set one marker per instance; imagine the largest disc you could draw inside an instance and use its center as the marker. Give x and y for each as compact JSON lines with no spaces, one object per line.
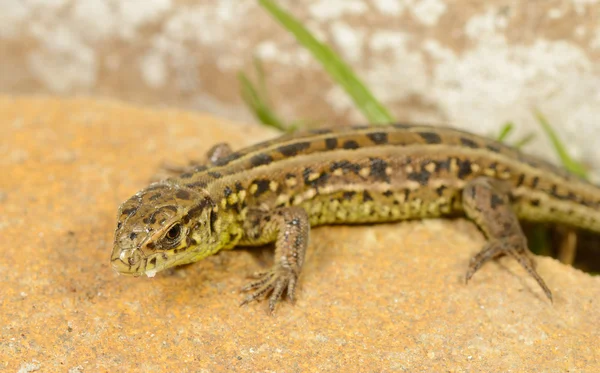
{"x":486,"y":202}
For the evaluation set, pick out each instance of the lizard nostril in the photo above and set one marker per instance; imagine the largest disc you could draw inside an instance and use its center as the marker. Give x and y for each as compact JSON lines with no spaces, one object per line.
{"x":130,"y":257}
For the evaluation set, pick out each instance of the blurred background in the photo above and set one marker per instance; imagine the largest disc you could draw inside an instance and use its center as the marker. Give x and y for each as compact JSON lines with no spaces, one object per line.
{"x":474,"y":64}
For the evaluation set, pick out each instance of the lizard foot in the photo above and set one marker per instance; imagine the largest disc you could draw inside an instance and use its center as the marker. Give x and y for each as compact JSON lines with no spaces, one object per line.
{"x":513,"y":246}
{"x":275,"y":281}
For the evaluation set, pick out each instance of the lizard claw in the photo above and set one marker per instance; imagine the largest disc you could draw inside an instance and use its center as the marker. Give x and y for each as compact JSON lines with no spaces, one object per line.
{"x":275,"y":281}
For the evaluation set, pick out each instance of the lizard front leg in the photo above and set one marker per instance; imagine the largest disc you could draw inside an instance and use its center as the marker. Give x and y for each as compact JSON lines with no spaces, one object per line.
{"x":486,"y":201}
{"x":289,"y":226}
{"x":217,"y":152}
{"x":213,"y":155}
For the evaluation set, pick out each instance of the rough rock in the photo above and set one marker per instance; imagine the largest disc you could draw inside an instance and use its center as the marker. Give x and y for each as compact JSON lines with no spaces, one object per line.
{"x":371,"y":298}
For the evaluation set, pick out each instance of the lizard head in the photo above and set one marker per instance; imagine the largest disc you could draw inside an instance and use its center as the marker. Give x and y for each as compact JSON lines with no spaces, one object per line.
{"x":163,"y":226}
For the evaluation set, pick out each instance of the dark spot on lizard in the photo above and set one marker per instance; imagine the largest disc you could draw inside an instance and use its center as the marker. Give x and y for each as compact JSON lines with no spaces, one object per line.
{"x":200,"y":168}
{"x":227,"y":191}
{"x":262,"y":185}
{"x":293,"y":149}
{"x":213,"y":220}
{"x":238,"y":186}
{"x":367,"y":196}
{"x":430,"y":137}
{"x":378,"y":167}
{"x":472,"y":191}
{"x":443,"y":165}
{"x":422,"y":177}
{"x":316,"y":182}
{"x":197,"y":210}
{"x":154,"y":197}
{"x":197,"y":184}
{"x":440,"y":190}
{"x":534,"y":182}
{"x":132,"y":235}
{"x":588,"y":203}
{"x":183,"y":194}
{"x":453,"y":200}
{"x":569,"y":197}
{"x":153,"y":261}
{"x":378,"y":137}
{"x":535,"y":202}
{"x":350,"y":144}
{"x":345,"y":166}
{"x":151,"y":245}
{"x":233,"y":237}
{"x":214,"y":174}
{"x":170,"y":207}
{"x":520,"y":180}
{"x":388,"y":193}
{"x":348,"y":195}
{"x":260,"y":159}
{"x":331,"y":143}
{"x":553,"y":191}
{"x":320,"y":131}
{"x":496,"y":201}
{"x":186,"y":175}
{"x":402,"y":125}
{"x":468,"y":143}
{"x":494,"y":148}
{"x":290,"y":175}
{"x":305,"y":174}
{"x":129,"y":211}
{"x":464,"y":168}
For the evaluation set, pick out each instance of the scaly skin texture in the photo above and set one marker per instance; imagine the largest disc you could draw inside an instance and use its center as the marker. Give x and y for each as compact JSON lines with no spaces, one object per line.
{"x":276,"y":190}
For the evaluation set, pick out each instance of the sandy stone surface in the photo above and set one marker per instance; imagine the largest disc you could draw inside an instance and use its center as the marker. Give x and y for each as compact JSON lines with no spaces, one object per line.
{"x":371,"y":299}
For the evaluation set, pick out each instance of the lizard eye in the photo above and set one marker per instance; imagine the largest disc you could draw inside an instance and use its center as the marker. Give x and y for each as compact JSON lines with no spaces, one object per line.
{"x":173,"y":235}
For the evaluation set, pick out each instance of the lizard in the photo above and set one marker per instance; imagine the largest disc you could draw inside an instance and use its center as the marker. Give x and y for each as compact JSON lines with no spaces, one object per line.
{"x":275,"y":191}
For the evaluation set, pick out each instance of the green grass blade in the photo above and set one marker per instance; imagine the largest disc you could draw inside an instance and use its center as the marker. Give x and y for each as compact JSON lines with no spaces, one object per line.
{"x":260,"y":80}
{"x":505,"y":130}
{"x":258,"y":104}
{"x":524,"y":141}
{"x":374,"y":111}
{"x":569,"y":163}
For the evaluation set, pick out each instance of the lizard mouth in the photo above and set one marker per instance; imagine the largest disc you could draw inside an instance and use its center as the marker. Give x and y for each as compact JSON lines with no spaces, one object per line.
{"x":133,"y":263}
{"x":129,"y":262}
